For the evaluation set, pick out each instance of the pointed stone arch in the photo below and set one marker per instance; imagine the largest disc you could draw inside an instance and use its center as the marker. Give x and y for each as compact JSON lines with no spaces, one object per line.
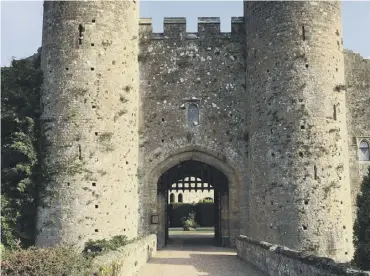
{"x":232,"y":217}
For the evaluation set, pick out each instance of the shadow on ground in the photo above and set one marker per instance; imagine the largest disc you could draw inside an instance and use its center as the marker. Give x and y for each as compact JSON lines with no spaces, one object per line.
{"x":178,"y":242}
{"x":196,"y":255}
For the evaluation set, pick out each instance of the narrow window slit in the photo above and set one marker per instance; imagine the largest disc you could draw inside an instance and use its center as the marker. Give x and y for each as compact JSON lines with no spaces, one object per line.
{"x":303,"y":33}
{"x":335,"y":112}
{"x":315,"y":172}
{"x":79,"y":152}
{"x":81,"y":29}
{"x":193,"y":114}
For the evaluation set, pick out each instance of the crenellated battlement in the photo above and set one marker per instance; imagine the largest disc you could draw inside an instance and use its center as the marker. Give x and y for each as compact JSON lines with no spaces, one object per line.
{"x":175,"y":28}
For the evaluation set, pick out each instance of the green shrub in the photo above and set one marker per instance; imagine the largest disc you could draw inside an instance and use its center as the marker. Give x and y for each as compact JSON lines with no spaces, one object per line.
{"x":189,"y":222}
{"x":97,"y":247}
{"x":56,"y":261}
{"x":362,"y":226}
{"x":35,"y":261}
{"x":206,"y":200}
{"x":20,"y":132}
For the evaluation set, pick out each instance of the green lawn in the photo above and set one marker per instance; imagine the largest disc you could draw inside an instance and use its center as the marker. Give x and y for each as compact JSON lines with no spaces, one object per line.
{"x":200,"y":229}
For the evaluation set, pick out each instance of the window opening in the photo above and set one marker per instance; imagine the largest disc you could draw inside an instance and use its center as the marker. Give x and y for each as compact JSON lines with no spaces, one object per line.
{"x":193,"y":114}
{"x":81,"y":29}
{"x":364,"y":151}
{"x":179,"y":198}
{"x":172,"y":198}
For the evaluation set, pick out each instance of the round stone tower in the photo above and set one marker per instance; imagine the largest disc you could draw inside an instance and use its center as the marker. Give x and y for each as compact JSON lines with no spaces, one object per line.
{"x":90,"y":105}
{"x":299,"y":186}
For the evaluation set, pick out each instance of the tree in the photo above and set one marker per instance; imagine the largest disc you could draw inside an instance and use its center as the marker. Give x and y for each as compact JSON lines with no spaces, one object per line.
{"x":20,"y":100}
{"x":362,"y":226}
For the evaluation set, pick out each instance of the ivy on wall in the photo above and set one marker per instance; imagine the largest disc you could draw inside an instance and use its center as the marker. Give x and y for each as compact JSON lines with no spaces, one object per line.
{"x":20,"y":101}
{"x":362,"y":226}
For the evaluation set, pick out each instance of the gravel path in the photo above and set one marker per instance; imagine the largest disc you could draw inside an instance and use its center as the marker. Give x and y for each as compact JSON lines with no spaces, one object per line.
{"x":195,"y":256}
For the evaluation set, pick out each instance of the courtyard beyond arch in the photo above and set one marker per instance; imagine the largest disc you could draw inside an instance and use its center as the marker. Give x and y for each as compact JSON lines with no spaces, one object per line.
{"x":226,"y":222}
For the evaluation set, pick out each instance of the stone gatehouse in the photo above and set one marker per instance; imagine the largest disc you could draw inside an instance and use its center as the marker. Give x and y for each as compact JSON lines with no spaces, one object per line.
{"x":274,"y":115}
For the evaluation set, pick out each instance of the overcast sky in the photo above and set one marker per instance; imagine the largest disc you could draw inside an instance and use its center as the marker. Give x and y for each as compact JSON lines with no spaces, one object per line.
{"x":21,"y":22}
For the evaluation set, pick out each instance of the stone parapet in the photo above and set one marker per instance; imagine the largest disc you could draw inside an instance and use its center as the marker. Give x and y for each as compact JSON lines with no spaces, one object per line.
{"x":175,"y":28}
{"x":127,"y":260}
{"x":277,"y":260}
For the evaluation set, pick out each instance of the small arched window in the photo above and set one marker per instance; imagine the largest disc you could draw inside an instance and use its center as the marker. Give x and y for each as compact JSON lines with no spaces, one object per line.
{"x":172,"y":198}
{"x":179,"y":198}
{"x":193,"y":114}
{"x":364,"y":151}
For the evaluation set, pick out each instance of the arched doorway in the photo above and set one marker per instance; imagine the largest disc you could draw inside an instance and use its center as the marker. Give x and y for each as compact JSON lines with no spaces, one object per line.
{"x":235,"y":216}
{"x":194,"y":176}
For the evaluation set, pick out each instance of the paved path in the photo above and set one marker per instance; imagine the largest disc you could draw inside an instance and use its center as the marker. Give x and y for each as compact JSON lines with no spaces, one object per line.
{"x":195,"y":255}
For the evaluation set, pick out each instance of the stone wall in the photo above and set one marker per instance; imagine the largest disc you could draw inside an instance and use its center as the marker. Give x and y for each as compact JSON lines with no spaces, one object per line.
{"x":284,"y":155}
{"x":90,"y":104}
{"x":299,"y":175}
{"x":178,"y":71}
{"x":357,"y":75}
{"x":127,"y":260}
{"x":275,"y":260}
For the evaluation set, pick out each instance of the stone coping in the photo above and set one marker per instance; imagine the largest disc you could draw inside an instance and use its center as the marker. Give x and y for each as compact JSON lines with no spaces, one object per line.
{"x":322,"y":263}
{"x":126,"y":260}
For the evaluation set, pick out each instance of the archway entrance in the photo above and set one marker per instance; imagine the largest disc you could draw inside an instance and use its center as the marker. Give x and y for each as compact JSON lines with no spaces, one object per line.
{"x":196,"y":176}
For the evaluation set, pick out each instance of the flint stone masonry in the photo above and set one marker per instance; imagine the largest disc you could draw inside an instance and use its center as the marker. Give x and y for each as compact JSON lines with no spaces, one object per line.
{"x":276,"y":260}
{"x":357,"y":88}
{"x":127,"y":260}
{"x":90,"y":108}
{"x":299,"y":173}
{"x":178,"y":69}
{"x":276,"y":106}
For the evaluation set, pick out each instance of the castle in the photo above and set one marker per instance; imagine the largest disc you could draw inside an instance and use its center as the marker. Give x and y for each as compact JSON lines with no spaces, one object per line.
{"x":274,"y":115}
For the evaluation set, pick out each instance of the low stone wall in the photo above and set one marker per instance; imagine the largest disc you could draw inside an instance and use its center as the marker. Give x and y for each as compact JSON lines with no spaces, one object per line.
{"x":127,"y":260}
{"x":280,"y":261}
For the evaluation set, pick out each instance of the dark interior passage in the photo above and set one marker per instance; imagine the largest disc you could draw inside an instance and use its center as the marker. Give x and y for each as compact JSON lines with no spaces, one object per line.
{"x":194,"y":176}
